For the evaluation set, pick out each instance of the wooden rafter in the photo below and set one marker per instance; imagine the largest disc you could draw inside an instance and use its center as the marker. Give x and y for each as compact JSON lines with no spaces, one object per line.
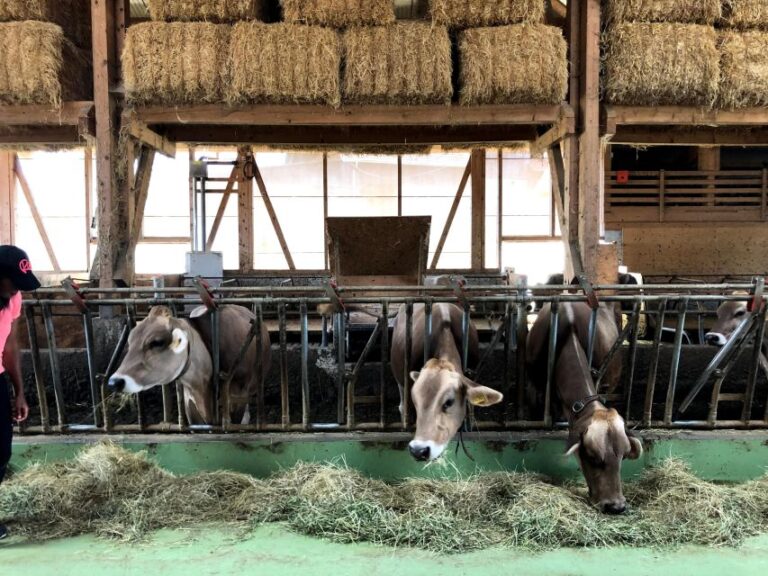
{"x":140,"y":192}
{"x":451,"y":215}
{"x":149,"y":137}
{"x":477,"y":162}
{"x":228,"y":191}
{"x":273,"y":216}
{"x":35,"y":214}
{"x":7,"y":197}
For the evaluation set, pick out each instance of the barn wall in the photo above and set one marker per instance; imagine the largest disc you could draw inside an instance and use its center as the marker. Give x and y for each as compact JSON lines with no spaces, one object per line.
{"x":696,"y":250}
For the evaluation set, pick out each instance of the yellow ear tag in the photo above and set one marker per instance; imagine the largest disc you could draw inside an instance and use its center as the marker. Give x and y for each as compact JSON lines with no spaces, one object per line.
{"x":481,"y":399}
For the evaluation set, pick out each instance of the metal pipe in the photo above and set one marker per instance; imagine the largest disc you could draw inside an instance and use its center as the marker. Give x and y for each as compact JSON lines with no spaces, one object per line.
{"x":591,"y":336}
{"x":341,"y":360}
{"x":554,"y":320}
{"x":284,"y":390}
{"x":633,"y":337}
{"x":676,"y":352}
{"x":465,"y":325}
{"x":407,"y":363}
{"x":754,"y":366}
{"x":37,"y":368}
{"x":54,"y":362}
{"x":257,"y":367}
{"x":304,"y":365}
{"x":384,"y":363}
{"x":650,"y":386}
{"x":97,"y":397}
{"x":216,"y":361}
{"x":427,"y":329}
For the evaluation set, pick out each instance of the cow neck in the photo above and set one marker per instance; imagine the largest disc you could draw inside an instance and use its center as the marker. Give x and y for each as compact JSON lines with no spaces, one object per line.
{"x":578,"y":390}
{"x":446,"y":348}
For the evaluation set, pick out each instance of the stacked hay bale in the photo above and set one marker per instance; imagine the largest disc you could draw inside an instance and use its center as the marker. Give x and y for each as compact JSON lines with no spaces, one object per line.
{"x":744,"y":54}
{"x":506,"y":54}
{"x":659,"y":52}
{"x":42,"y":51}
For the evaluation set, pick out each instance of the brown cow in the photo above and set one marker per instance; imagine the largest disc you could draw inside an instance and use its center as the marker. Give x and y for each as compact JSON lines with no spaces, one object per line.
{"x":597,"y":435}
{"x":163,"y":349}
{"x":440,"y":391}
{"x":730,"y":314}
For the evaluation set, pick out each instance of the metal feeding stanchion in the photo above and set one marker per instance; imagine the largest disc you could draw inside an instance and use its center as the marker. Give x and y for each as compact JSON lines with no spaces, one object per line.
{"x":209,"y":301}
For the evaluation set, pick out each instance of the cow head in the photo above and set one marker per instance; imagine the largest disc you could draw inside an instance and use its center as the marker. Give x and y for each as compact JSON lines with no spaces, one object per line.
{"x":158,"y":349}
{"x":600,"y":441}
{"x":730,"y":314}
{"x":440,"y":394}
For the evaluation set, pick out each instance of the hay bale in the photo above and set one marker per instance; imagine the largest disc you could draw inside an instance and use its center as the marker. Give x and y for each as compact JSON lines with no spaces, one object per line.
{"x":476,"y":13}
{"x":657,"y":64}
{"x":677,"y":11}
{"x":284,"y":63}
{"x":405,"y":63}
{"x":339,"y":13}
{"x":38,"y":65}
{"x":518,"y":64}
{"x":74,"y":16}
{"x":744,"y":14}
{"x":219,"y":11}
{"x":175,"y":63}
{"x":744,"y":69}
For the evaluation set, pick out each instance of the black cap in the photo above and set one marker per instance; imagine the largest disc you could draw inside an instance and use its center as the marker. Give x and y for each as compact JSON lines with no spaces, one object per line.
{"x":15,"y":265}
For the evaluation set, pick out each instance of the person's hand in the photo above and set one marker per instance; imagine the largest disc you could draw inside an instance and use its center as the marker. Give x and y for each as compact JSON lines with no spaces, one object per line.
{"x":21,"y":409}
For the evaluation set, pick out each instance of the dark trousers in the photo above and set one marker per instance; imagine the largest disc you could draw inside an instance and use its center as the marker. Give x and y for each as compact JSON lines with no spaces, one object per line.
{"x":6,"y":424}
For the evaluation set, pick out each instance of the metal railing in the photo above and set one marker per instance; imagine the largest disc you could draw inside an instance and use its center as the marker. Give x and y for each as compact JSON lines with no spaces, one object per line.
{"x":359,"y":393}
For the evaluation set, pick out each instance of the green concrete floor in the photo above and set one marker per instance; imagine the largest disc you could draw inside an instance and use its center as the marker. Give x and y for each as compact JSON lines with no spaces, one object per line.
{"x":274,"y":551}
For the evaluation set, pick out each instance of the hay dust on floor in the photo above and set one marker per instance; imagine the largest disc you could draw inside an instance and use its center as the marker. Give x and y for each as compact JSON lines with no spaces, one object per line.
{"x":119,"y":494}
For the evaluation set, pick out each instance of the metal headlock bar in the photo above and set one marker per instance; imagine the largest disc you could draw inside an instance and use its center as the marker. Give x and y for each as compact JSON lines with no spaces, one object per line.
{"x":360,"y":399}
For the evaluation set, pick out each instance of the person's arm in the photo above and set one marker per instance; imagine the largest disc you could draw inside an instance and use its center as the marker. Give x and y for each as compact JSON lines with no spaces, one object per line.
{"x":12,"y":364}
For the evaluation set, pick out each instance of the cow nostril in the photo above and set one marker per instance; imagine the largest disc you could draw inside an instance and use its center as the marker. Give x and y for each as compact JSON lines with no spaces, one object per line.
{"x":118,"y":384}
{"x":419,"y":452}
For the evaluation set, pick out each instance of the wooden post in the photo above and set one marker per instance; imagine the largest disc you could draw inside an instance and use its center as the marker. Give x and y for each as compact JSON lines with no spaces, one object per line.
{"x":590,"y":151}
{"x":139,"y":193}
{"x":325,"y":207}
{"x":88,"y":168}
{"x":662,"y":193}
{"x":709,"y":161}
{"x":499,"y":207}
{"x":112,"y":218}
{"x":478,"y":209}
{"x":245,"y":219}
{"x":7,"y":197}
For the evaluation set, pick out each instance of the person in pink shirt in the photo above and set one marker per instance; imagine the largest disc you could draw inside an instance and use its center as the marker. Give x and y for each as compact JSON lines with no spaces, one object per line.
{"x":15,"y":277}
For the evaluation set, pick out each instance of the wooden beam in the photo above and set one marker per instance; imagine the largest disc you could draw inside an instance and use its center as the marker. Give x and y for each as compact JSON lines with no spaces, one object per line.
{"x":590,"y":156}
{"x":312,"y":115}
{"x":7,"y":197}
{"x":691,"y":136}
{"x":149,"y":137}
{"x":68,"y":114}
{"x":414,"y":135}
{"x":477,"y":162}
{"x":35,"y":214}
{"x":500,"y":207}
{"x":30,"y":136}
{"x":273,"y":217}
{"x":565,"y":126}
{"x":451,"y":215}
{"x":557,"y":167}
{"x":140,"y":192}
{"x":685,"y":116}
{"x":88,"y":169}
{"x":233,"y":178}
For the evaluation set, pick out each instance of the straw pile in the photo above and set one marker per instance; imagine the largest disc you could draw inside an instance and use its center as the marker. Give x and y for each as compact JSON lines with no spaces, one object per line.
{"x":339,"y":13}
{"x":518,"y":64}
{"x":38,"y":65}
{"x":284,"y":63}
{"x":656,"y":64}
{"x":221,"y":11}
{"x":745,"y":14}
{"x":114,"y":493}
{"x":473,"y":13}
{"x":679,"y":11}
{"x":405,"y":63}
{"x":74,"y":16}
{"x":176,"y":62}
{"x":744,"y":69}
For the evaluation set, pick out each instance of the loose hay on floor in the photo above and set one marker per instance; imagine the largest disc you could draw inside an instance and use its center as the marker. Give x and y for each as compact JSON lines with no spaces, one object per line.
{"x":38,"y":65}
{"x":405,"y":63}
{"x":678,"y":11}
{"x":284,"y":63}
{"x":221,"y":11}
{"x":74,"y":16}
{"x":655,"y":64}
{"x":339,"y":13}
{"x":115,"y":493}
{"x":518,"y":64}
{"x":744,"y":69}
{"x":474,"y":13}
{"x":745,"y":14}
{"x":176,"y":63}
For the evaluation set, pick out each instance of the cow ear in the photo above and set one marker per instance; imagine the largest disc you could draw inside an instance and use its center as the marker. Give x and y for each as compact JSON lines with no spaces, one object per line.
{"x":198,"y":312}
{"x":160,"y":311}
{"x":636,"y":448}
{"x":478,"y":395}
{"x":180,"y":341}
{"x":415,"y":375}
{"x":573,"y":450}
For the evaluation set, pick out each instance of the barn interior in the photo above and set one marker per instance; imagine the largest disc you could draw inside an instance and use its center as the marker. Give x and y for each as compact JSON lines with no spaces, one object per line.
{"x":324,"y":163}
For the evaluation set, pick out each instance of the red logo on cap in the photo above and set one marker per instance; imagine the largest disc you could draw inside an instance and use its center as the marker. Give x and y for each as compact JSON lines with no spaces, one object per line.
{"x":25,"y":266}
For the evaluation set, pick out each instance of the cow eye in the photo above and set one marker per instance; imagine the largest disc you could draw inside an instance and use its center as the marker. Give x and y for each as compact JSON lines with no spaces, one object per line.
{"x":156,"y":344}
{"x":740,"y":313}
{"x":448,"y":403}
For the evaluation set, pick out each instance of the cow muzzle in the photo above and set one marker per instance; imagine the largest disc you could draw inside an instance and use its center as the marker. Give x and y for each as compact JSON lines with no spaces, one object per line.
{"x":715,"y":339}
{"x":618,"y":506}
{"x":122,"y":383}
